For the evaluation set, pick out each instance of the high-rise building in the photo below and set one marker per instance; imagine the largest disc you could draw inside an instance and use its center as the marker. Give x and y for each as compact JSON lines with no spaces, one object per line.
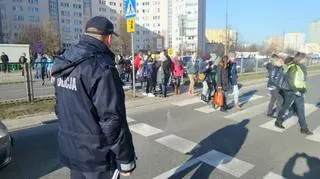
{"x":294,"y":41}
{"x":188,"y":25}
{"x":16,"y":14}
{"x":151,"y":25}
{"x":111,"y":9}
{"x":314,"y":36}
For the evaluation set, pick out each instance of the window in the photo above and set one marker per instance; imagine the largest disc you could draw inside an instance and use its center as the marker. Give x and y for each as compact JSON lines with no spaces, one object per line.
{"x":33,"y":1}
{"x":77,"y":22}
{"x":64,"y":4}
{"x":77,"y":14}
{"x":103,"y":2}
{"x":66,"y":29}
{"x":101,"y":9}
{"x":17,"y":8}
{"x":17,"y":18}
{"x":77,"y":30}
{"x":33,"y":9}
{"x":34,"y":18}
{"x":77,"y":6}
{"x":113,"y":4}
{"x":113,"y":10}
{"x":65,"y":21}
{"x":19,"y":1}
{"x":65,"y":13}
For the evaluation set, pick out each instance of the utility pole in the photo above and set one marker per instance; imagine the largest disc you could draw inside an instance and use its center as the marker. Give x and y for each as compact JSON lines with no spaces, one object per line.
{"x":227,"y":40}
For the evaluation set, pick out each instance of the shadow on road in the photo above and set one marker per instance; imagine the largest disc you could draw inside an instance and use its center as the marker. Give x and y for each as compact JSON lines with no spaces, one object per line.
{"x":313,"y":167}
{"x":227,"y":140}
{"x":34,"y":153}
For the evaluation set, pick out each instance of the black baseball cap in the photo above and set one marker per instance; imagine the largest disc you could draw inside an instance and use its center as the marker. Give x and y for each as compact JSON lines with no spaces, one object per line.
{"x":102,"y":24}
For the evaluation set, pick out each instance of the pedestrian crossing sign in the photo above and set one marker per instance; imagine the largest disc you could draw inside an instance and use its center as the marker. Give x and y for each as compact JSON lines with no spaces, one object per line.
{"x":130,"y":8}
{"x":131,"y":25}
{"x":171,"y":52}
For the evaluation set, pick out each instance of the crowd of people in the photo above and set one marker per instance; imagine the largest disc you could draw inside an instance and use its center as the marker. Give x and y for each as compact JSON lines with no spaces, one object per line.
{"x":160,"y":73}
{"x":287,"y":87}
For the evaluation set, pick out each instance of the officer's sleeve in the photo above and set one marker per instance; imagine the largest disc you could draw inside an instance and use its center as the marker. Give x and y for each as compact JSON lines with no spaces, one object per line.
{"x":109,"y":100}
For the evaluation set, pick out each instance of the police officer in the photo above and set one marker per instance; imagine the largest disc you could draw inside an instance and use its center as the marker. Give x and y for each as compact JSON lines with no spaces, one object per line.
{"x":94,"y":137}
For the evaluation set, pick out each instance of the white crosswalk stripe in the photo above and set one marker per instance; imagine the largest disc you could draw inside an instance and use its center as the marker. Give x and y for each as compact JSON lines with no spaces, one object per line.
{"x":248,"y":113}
{"x":226,"y":163}
{"x":178,"y":143}
{"x":243,"y":99}
{"x":316,"y":135}
{"x":145,"y":129}
{"x":177,"y":169}
{"x":129,"y":119}
{"x":187,"y":102}
{"x":272,"y":175}
{"x":309,"y":109}
{"x":206,"y":109}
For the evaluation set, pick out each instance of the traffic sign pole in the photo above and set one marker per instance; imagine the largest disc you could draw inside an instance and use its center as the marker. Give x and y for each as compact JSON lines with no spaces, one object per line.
{"x":133,"y":69}
{"x":130,"y":13}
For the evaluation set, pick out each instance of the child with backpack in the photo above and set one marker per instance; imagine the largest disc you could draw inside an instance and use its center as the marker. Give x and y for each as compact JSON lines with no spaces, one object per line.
{"x":177,"y":73}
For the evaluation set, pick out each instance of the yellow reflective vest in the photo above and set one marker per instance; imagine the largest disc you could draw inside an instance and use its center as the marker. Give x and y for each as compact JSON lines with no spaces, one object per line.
{"x":298,"y":77}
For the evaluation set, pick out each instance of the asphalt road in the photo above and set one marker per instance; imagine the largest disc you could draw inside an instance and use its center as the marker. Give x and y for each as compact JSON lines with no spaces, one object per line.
{"x":18,"y":90}
{"x":188,"y":139}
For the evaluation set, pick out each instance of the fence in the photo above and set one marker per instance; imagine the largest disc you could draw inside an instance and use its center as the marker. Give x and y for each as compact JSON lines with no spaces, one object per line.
{"x":31,"y":81}
{"x":25,"y":81}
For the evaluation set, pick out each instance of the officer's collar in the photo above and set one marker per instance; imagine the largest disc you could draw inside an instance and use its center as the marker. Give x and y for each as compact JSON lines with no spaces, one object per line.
{"x":97,"y":44}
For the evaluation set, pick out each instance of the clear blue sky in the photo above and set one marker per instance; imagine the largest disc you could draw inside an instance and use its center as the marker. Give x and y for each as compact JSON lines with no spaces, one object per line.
{"x":255,"y":20}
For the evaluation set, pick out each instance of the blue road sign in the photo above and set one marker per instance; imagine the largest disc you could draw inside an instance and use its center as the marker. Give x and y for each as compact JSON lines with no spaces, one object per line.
{"x":130,"y":8}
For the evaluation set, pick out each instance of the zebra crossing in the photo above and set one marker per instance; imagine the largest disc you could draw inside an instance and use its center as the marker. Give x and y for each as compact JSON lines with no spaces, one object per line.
{"x":228,"y":164}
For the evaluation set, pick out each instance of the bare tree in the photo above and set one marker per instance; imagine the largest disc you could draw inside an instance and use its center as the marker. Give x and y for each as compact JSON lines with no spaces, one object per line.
{"x":122,"y":45}
{"x":35,"y":35}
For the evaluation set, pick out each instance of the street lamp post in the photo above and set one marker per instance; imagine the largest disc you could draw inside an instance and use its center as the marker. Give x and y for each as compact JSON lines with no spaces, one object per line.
{"x":227,"y":40}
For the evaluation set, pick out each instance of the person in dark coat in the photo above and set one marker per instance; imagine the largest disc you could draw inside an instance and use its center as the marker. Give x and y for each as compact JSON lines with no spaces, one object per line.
{"x":94,"y":138}
{"x":223,"y":80}
{"x":5,"y":61}
{"x":233,"y":77}
{"x":276,"y":76}
{"x":22,"y":61}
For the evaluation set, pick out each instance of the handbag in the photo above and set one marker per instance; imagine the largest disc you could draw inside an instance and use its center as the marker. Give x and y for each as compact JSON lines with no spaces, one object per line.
{"x":201,"y":77}
{"x":218,"y":98}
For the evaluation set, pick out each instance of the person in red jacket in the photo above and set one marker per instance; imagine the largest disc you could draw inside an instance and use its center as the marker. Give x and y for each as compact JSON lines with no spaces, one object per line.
{"x":177,"y":73}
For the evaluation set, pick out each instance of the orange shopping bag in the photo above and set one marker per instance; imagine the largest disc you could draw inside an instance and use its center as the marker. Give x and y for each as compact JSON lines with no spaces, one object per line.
{"x":218,"y":98}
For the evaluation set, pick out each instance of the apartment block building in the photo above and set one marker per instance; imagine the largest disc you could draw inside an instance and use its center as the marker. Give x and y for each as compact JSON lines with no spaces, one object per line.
{"x":314,"y":36}
{"x":16,"y":14}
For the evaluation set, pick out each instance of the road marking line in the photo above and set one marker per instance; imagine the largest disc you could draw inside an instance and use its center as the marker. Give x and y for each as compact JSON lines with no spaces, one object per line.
{"x":178,"y":143}
{"x":187,"y":102}
{"x":206,"y":109}
{"x":129,"y":119}
{"x":248,"y":98}
{"x":226,"y":163}
{"x":177,"y":169}
{"x":248,"y":113}
{"x":243,"y":99}
{"x":272,"y":175}
{"x":145,"y":129}
{"x":309,"y":108}
{"x":316,"y":135}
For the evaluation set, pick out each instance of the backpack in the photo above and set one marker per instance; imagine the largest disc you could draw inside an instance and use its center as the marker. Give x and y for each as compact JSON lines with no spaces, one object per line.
{"x":178,"y":68}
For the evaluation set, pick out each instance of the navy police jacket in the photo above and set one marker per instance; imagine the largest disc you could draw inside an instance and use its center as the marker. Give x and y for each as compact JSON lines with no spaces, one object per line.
{"x":90,"y":105}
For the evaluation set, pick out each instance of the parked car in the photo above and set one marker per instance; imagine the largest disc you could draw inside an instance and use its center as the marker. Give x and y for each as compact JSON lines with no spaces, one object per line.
{"x":6,"y":145}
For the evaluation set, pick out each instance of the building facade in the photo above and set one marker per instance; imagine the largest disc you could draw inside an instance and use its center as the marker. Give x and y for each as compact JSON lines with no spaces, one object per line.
{"x":16,"y":14}
{"x":219,"y":36}
{"x":314,"y":36}
{"x":187,"y":18}
{"x":295,"y":41}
